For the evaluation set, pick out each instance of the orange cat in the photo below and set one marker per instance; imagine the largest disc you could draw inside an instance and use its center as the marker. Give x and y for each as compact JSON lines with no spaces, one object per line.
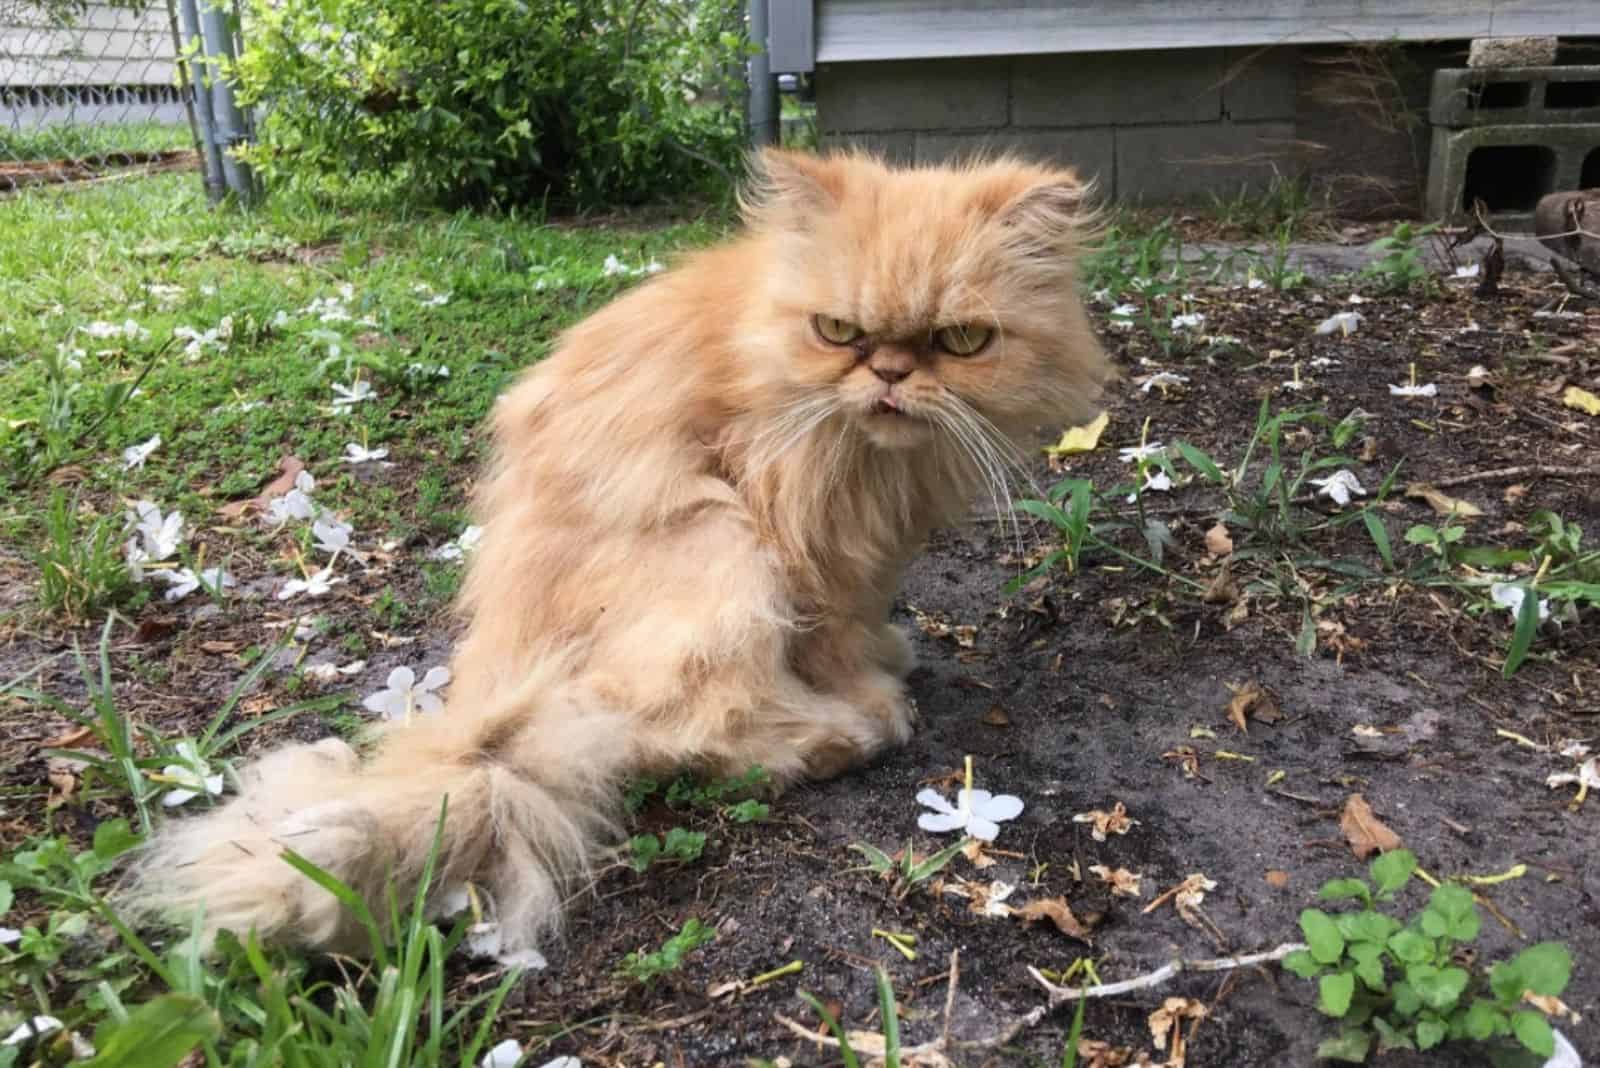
{"x":697,"y":515}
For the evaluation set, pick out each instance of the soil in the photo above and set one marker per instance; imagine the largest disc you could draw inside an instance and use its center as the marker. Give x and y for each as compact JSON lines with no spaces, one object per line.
{"x":1080,"y":692}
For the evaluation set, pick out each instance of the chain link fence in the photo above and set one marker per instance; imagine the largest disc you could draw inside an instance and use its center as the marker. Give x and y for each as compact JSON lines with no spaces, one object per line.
{"x":90,"y":88}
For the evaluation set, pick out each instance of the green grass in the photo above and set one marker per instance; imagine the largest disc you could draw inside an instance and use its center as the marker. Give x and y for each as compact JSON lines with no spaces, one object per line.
{"x":91,"y":141}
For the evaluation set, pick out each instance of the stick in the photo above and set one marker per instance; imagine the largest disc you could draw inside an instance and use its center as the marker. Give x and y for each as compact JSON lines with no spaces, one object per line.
{"x":950,"y":994}
{"x":1061,"y":995}
{"x":1525,"y":470}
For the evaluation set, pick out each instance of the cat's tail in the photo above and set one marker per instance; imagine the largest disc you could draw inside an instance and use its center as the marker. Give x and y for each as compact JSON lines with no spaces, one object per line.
{"x":532,"y":791}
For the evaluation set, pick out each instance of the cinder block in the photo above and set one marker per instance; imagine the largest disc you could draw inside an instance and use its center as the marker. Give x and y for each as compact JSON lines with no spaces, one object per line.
{"x":1518,"y":166}
{"x":1260,"y":84}
{"x":1117,"y":88}
{"x":898,"y":148}
{"x":1182,"y":162}
{"x":931,"y":94}
{"x":1515,"y":95}
{"x":1092,"y":153}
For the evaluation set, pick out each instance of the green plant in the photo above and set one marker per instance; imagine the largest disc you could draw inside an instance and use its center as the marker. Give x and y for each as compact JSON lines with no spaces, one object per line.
{"x":81,"y":568}
{"x":907,"y":871}
{"x":1402,"y":981}
{"x":1399,"y":267}
{"x":588,"y":102}
{"x":888,"y":1013}
{"x":646,"y":968}
{"x":677,"y":844}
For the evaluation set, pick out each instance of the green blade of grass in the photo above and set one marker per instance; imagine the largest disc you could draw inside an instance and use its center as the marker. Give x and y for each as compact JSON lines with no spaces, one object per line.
{"x":891,"y":1020}
{"x":1522,"y":637}
{"x":846,"y":1054}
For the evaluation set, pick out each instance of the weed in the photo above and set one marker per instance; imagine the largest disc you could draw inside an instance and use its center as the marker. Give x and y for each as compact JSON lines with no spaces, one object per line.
{"x":888,"y":1014}
{"x":1404,"y":982}
{"x":646,"y":850}
{"x":1399,"y":267}
{"x":82,"y":572}
{"x":907,"y":870}
{"x":646,"y":968}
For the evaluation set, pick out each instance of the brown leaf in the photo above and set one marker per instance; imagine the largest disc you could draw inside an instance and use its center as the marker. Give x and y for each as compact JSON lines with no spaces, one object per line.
{"x":996,"y":717}
{"x":290,"y":466}
{"x":1218,"y":541}
{"x":1056,"y":911}
{"x":1124,"y":883}
{"x":1114,"y":822}
{"x":977,"y":852}
{"x":220,"y":647}
{"x":1442,"y":503}
{"x":1251,"y":698}
{"x":154,"y":628}
{"x":1364,"y":831}
{"x":63,"y":784}
{"x":1277,"y":879}
{"x":71,"y":738}
{"x":1166,"y":1022}
{"x":1221,"y":589}
{"x":1093,"y":1053}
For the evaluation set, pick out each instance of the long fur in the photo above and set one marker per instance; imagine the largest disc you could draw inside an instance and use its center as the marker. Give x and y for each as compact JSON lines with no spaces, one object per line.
{"x":694,"y":525}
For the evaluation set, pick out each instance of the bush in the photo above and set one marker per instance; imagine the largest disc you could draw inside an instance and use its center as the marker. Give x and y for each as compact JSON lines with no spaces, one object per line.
{"x":580,"y":103}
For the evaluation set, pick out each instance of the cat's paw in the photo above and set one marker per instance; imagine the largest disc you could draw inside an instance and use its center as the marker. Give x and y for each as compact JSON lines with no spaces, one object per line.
{"x":893,"y":650}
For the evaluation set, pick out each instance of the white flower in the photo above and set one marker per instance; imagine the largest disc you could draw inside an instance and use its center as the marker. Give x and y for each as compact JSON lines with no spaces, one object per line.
{"x":1339,"y":486}
{"x":614,"y":266}
{"x":315,"y":584}
{"x":1124,"y":311}
{"x":193,"y":776}
{"x":1427,"y":390}
{"x":33,"y":1028}
{"x":1587,"y":776}
{"x":332,"y":535}
{"x":128,"y":329}
{"x":405,"y":697}
{"x":182,"y":582}
{"x":463,"y":545}
{"x":1469,"y":271}
{"x":356,"y":392}
{"x":159,"y":535}
{"x":978,"y":812}
{"x":1100,"y":296}
{"x":1135,"y":453}
{"x":1188,"y":321}
{"x":208,"y":291}
{"x":297,"y":503}
{"x":198,"y":340}
{"x":280,"y":319}
{"x":1158,"y":481}
{"x":1344,"y":323}
{"x":360,"y":454}
{"x":71,"y":358}
{"x":507,"y":1054}
{"x":1293,"y":384}
{"x":1321,"y":363}
{"x":9,"y":936}
{"x":1163,"y":379}
{"x":1511,"y":597}
{"x":165,"y":295}
{"x":427,"y":297}
{"x":1254,"y":283}
{"x":134,"y":456}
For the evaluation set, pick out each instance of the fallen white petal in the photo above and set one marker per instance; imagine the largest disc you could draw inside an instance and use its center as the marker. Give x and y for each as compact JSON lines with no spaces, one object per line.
{"x":38,"y":1025}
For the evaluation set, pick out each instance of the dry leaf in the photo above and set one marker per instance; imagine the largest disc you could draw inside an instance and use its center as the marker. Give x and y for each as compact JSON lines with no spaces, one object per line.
{"x":71,"y":738}
{"x":1124,"y":883}
{"x":996,"y":717}
{"x":1364,"y":831}
{"x":220,"y":647}
{"x":1056,"y":911}
{"x":258,"y":705}
{"x":1218,"y":541}
{"x":1251,"y":698}
{"x":1277,"y":879}
{"x":1093,"y":1053}
{"x":1550,"y":1005}
{"x":1081,"y":438}
{"x":986,"y":899}
{"x":1582,"y":400}
{"x":1186,"y":895}
{"x":1187,"y":759}
{"x":1166,"y":1023}
{"x":1364,"y":730}
{"x":977,"y":851}
{"x":63,"y":784}
{"x":1443,"y":503}
{"x":1114,"y":822}
{"x":1221,"y":589}
{"x":290,"y":466}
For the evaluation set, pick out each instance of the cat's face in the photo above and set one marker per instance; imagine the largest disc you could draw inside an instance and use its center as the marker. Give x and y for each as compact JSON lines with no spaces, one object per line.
{"x":930,"y":303}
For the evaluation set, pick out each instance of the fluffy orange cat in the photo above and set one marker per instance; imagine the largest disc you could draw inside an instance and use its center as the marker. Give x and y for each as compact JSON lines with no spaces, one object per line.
{"x":696,"y":518}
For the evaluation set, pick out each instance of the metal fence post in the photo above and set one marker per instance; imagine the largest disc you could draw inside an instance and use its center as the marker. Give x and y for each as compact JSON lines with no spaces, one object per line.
{"x":211,"y":154}
{"x":763,"y":97}
{"x":222,"y":123}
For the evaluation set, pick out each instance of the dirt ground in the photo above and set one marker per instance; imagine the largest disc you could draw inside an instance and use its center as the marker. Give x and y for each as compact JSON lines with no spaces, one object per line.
{"x":1080,"y":692}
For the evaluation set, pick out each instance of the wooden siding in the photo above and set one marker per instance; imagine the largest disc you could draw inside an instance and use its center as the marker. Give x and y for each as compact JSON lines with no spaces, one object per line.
{"x":107,"y":46}
{"x":857,"y":30}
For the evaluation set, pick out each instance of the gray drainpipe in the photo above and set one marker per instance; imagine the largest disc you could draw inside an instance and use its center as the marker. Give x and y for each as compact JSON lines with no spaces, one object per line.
{"x":189,"y":23}
{"x":208,"y":22}
{"x":763,"y":119}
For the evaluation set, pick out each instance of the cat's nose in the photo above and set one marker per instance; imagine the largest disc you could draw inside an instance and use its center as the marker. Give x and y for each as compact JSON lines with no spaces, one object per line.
{"x":891,"y":365}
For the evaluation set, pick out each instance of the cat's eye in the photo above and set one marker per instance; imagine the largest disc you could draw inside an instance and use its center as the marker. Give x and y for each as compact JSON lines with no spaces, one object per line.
{"x":836,"y":331}
{"x":967,"y":339}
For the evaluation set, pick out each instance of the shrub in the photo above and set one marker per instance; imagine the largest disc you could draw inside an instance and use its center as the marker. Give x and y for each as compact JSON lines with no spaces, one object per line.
{"x":497,"y":102}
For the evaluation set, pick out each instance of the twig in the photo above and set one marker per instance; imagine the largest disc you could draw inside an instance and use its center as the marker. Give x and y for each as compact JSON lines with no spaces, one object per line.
{"x":1522,"y":471}
{"x":950,"y":994}
{"x":1061,"y":995}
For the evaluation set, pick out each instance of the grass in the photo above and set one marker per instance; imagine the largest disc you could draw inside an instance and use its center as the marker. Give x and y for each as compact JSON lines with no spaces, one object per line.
{"x":89,"y":141}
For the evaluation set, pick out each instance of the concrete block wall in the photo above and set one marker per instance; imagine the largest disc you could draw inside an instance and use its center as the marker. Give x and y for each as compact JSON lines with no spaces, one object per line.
{"x":1153,"y":126}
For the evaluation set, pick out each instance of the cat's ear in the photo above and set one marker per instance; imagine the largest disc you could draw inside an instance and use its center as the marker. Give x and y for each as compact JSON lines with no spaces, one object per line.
{"x":1052,"y":208}
{"x":788,"y":188}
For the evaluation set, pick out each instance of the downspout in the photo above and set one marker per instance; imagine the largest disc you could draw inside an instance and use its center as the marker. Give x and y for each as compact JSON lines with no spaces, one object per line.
{"x":763,"y":99}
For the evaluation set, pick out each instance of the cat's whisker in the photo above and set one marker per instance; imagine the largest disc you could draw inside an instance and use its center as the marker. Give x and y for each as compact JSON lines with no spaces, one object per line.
{"x":987,"y":464}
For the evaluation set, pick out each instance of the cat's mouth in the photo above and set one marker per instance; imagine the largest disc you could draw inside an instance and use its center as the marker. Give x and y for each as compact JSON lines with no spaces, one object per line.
{"x":887,"y":406}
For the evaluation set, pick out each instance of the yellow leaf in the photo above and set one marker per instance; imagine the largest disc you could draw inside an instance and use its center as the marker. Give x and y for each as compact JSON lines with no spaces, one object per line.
{"x":1443,"y":503}
{"x":1080,"y":438}
{"x":1580,"y":399}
